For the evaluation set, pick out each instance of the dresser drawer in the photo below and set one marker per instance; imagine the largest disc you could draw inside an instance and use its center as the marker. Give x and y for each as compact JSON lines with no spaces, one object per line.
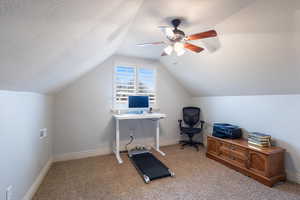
{"x":239,"y":155}
{"x":234,"y":153}
{"x":239,"y":152}
{"x":224,"y":150}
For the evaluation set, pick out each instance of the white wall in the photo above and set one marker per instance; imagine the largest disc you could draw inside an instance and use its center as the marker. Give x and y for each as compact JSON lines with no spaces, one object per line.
{"x":277,"y":115}
{"x":22,"y":153}
{"x":83,"y":119}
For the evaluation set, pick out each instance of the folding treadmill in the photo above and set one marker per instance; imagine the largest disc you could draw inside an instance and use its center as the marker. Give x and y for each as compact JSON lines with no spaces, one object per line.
{"x":148,"y":166}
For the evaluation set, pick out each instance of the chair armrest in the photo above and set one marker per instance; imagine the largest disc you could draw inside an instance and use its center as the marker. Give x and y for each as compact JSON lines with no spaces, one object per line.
{"x":202,"y":123}
{"x":180,"y":123}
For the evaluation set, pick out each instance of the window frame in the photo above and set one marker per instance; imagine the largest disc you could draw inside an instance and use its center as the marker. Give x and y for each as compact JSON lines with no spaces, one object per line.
{"x":121,"y":106}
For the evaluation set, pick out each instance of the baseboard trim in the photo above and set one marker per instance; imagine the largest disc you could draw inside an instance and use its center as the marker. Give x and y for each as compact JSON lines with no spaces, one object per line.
{"x":106,"y":149}
{"x":82,"y":154}
{"x":34,"y":187}
{"x":293,"y":176}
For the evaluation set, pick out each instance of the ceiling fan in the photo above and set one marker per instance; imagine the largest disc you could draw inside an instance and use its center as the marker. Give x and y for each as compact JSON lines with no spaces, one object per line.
{"x":178,"y":41}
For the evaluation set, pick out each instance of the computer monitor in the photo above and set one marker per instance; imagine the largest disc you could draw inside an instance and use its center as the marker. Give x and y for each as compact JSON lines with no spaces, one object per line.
{"x":138,"y":102}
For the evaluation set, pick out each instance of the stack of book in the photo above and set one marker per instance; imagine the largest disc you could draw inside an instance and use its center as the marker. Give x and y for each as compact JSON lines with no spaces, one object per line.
{"x":259,"y":139}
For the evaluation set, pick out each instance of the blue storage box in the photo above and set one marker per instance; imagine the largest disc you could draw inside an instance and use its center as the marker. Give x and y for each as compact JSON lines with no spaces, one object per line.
{"x":223,"y":130}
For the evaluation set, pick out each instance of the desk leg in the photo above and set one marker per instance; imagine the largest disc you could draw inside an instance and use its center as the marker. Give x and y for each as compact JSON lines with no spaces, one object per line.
{"x":117,"y":151}
{"x":157,"y":139}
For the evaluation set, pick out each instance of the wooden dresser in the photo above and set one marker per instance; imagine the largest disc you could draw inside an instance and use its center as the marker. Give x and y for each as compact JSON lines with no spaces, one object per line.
{"x":265,"y":165}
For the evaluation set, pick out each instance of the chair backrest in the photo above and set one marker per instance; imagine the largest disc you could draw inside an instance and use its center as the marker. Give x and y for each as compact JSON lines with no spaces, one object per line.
{"x":191,"y":115}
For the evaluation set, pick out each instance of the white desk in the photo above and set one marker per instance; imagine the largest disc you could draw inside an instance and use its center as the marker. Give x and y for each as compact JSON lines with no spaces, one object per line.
{"x":153,"y":116}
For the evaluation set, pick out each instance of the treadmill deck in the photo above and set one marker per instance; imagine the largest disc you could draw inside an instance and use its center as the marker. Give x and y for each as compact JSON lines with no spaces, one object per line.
{"x":149,"y":167}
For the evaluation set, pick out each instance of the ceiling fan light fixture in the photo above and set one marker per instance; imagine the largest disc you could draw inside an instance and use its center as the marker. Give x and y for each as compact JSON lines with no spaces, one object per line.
{"x":168,"y":50}
{"x":180,"y":52}
{"x":169,"y":32}
{"x":179,"y":48}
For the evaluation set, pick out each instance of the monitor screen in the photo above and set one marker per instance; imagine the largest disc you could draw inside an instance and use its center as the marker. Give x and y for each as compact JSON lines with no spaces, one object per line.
{"x":138,"y":101}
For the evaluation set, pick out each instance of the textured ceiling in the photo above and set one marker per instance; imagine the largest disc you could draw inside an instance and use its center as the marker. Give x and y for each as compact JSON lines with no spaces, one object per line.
{"x":45,"y":44}
{"x":197,"y":15}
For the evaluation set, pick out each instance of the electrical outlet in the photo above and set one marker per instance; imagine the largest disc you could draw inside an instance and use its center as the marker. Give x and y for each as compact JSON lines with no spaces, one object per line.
{"x":8,"y":194}
{"x":43,"y":133}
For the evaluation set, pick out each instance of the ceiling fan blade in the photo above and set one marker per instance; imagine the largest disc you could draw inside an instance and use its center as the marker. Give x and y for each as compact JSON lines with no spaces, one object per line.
{"x":207,"y":34}
{"x":167,"y":31}
{"x":193,"y":47}
{"x":150,"y":43}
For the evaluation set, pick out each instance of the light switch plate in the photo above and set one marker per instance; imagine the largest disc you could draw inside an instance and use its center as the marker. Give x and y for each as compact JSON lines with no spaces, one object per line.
{"x":43,"y":133}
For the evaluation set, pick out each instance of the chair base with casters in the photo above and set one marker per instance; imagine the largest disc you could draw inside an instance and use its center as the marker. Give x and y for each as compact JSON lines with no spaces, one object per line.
{"x":191,"y":118}
{"x":190,"y":143}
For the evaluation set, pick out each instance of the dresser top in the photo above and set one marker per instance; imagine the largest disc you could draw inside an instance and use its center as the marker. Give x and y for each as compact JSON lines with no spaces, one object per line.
{"x":244,"y":143}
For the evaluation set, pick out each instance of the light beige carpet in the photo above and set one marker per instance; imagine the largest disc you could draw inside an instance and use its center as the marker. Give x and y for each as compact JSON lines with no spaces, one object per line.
{"x":197,"y":178}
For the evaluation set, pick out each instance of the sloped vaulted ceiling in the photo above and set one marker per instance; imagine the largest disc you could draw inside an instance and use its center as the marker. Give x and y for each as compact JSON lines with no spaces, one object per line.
{"x":45,"y":44}
{"x":48,"y":43}
{"x":258,"y":54}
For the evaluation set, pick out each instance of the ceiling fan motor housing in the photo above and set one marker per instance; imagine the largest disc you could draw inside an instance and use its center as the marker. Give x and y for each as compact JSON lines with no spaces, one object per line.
{"x":176,"y":22}
{"x":179,"y":34}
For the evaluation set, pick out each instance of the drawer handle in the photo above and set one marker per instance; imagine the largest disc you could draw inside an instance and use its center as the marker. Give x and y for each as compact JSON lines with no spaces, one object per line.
{"x":231,"y":157}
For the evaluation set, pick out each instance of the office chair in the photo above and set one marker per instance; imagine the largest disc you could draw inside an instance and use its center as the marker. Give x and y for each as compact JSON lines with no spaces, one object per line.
{"x":191,"y":117}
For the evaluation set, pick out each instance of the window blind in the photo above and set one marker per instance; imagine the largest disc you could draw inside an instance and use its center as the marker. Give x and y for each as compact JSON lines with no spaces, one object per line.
{"x":146,"y":83}
{"x":125,"y":83}
{"x":130,"y":81}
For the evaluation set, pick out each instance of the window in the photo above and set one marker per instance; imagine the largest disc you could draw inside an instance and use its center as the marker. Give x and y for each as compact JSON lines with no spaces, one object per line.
{"x":131,"y":81}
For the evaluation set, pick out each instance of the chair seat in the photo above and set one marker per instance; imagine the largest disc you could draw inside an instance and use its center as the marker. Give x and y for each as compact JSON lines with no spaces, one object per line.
{"x":188,"y":130}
